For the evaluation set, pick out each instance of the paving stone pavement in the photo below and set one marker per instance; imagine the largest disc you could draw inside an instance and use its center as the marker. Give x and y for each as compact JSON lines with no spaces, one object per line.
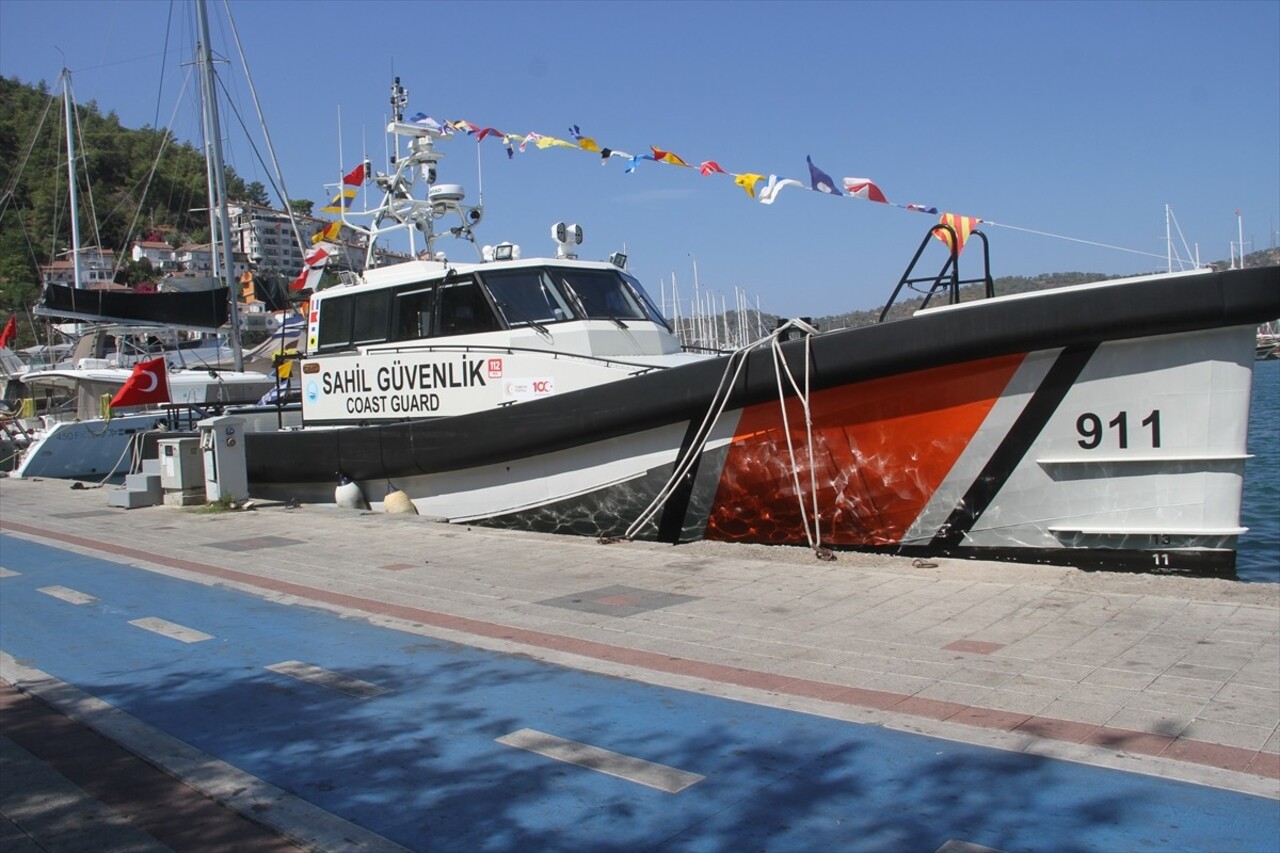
{"x":1174,"y":676}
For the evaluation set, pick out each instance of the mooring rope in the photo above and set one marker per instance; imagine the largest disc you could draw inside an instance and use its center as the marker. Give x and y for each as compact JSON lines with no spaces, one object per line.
{"x":814,"y":536}
{"x":733,"y":365}
{"x":718,"y":402}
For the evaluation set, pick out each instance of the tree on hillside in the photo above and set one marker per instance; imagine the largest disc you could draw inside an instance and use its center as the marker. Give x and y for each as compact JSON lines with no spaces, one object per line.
{"x":114,"y":170}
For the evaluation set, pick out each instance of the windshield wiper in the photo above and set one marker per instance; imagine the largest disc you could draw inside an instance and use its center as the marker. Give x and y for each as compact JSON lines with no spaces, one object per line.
{"x":508,"y":308}
{"x":582,"y":307}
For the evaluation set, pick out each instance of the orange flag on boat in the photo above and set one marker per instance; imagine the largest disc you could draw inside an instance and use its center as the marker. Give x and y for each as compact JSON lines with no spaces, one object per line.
{"x":963,"y":226}
{"x":149,"y":383}
{"x":667,"y":157}
{"x":10,"y":331}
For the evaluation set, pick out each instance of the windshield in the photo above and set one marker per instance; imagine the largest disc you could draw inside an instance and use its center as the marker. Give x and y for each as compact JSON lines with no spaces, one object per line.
{"x":603,"y":295}
{"x":538,"y":296}
{"x":527,"y":297}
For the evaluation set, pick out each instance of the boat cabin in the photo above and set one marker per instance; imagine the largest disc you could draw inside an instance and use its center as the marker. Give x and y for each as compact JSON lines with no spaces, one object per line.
{"x":425,"y":339}
{"x":581,"y":307}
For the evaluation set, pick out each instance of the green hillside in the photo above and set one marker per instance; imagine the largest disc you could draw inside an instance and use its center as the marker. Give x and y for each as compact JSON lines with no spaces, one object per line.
{"x":34,"y":216}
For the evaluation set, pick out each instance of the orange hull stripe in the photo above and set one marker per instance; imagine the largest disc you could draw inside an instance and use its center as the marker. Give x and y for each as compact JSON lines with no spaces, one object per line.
{"x":882,"y":448}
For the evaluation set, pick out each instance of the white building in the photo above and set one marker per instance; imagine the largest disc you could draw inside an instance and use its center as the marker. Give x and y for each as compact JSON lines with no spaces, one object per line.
{"x":196,"y":259}
{"x":265,"y":236}
{"x":160,"y":255}
{"x":96,"y":267}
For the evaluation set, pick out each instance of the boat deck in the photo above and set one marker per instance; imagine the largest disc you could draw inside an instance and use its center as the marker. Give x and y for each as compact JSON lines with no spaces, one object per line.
{"x":1172,"y":677}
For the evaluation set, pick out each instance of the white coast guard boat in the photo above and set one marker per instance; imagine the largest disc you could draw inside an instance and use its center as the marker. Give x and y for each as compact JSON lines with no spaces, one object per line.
{"x":1100,"y":426}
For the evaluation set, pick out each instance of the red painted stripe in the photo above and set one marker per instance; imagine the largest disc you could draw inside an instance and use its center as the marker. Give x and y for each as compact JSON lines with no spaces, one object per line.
{"x":882,"y":449}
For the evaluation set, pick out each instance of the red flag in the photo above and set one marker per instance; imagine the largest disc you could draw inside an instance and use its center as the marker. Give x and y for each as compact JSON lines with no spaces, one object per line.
{"x":865,"y":189}
{"x":355,"y":177}
{"x":10,"y":331}
{"x":147,"y":384}
{"x":312,"y":268}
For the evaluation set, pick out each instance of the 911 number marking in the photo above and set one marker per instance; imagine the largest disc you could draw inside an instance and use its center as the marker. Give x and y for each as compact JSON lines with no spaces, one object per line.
{"x":1092,"y":431}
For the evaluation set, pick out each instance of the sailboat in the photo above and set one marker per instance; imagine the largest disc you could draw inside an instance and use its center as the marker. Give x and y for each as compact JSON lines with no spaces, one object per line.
{"x":84,"y":438}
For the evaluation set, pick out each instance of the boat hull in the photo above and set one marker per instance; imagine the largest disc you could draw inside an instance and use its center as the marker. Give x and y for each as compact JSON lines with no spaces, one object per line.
{"x":86,"y":450}
{"x":1097,"y":427}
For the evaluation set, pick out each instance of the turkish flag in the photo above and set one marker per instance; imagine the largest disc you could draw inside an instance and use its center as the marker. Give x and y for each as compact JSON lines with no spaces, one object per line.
{"x":10,"y":331}
{"x":148,"y":384}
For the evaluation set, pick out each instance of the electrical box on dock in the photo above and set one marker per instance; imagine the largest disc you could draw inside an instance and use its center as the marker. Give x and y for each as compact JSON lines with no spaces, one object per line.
{"x":181,"y":469}
{"x":225,"y":467}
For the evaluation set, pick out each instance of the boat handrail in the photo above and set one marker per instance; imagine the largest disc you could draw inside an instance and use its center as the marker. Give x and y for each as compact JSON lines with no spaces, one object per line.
{"x":948,"y":278}
{"x":506,"y":349}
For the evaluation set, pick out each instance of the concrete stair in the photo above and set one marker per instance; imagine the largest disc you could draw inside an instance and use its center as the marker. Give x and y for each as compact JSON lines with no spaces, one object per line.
{"x":142,"y":489}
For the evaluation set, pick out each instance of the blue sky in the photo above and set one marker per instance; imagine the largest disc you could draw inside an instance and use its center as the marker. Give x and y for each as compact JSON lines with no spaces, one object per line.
{"x":1079,"y":120}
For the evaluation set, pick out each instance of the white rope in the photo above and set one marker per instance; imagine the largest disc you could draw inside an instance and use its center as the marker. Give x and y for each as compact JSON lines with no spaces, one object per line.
{"x":813,"y":536}
{"x":718,"y":403}
{"x":133,"y":449}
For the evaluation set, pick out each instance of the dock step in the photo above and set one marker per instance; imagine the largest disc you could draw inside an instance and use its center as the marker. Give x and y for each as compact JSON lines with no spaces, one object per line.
{"x":139,"y":490}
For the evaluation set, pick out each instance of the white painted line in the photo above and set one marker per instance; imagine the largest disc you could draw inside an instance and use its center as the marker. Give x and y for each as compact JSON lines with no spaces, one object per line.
{"x":67,"y":594}
{"x":8,"y":573}
{"x":172,"y":630}
{"x":327,"y":678}
{"x":626,"y":767}
{"x":955,"y":845}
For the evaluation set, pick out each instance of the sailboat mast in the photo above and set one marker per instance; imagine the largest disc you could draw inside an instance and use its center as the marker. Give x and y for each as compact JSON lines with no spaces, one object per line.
{"x":220,"y":222}
{"x":71,"y":176}
{"x":1240,"y":226}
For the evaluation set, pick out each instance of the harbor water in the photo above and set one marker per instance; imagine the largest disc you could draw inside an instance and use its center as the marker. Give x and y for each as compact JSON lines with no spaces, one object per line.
{"x":1258,"y":557}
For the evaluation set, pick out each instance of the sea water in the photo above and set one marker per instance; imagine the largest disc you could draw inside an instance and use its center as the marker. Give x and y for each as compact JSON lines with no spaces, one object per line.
{"x":1258,"y":554}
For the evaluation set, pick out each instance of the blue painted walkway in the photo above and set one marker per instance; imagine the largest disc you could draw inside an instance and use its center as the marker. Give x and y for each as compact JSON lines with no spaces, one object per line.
{"x":421,"y":765}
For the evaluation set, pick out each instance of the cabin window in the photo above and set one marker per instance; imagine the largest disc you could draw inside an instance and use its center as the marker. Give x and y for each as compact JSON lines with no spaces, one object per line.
{"x":415,"y":314}
{"x":527,"y":296}
{"x":603,"y":295}
{"x":464,"y":310}
{"x":370,"y":320}
{"x":335,"y":323}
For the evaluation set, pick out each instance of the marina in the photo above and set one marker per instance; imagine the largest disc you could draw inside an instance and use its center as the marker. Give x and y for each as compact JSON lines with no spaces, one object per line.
{"x":417,"y":506}
{"x":1100,"y":424}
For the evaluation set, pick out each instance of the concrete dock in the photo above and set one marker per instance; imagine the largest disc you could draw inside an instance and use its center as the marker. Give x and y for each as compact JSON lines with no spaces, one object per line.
{"x":1173,"y":677}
